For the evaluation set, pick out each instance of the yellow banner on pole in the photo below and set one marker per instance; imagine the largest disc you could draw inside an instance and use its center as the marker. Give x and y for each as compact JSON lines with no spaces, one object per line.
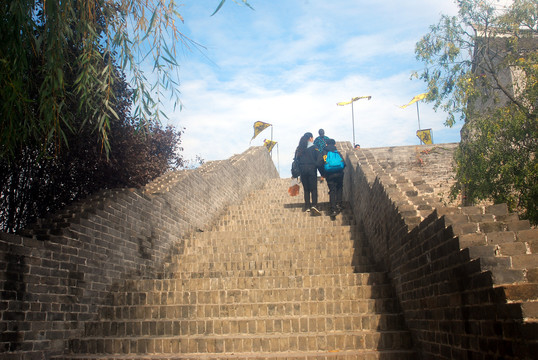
{"x":414,"y":100}
{"x":269,"y":144}
{"x":354,"y":99}
{"x":259,"y":126}
{"x":425,"y":136}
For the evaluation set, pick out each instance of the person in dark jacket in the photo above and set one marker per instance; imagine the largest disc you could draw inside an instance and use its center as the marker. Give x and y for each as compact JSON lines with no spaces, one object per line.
{"x":321,"y":141}
{"x":335,"y":182}
{"x":310,"y":161}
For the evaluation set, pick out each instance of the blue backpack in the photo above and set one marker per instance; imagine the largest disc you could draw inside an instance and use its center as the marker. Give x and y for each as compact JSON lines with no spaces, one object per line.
{"x":334,"y":162}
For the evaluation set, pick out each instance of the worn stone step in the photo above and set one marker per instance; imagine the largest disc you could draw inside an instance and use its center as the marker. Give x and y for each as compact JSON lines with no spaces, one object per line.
{"x":241,"y":326}
{"x":278,"y":308}
{"x":297,"y":257}
{"x":177,"y":271}
{"x":289,"y":355}
{"x":309,"y":223}
{"x":306,"y":281}
{"x":257,"y":263}
{"x":251,"y":343}
{"x":254,"y":296}
{"x":171,"y":272}
{"x":270,"y":243}
{"x":270,"y":249}
{"x":518,"y":292}
{"x":288,"y":233}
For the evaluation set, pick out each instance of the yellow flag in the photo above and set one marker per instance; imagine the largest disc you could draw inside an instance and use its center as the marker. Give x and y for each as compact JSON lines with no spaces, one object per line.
{"x":259,"y":126}
{"x":354,"y":99}
{"x":269,"y":144}
{"x":414,"y":100}
{"x":425,"y":136}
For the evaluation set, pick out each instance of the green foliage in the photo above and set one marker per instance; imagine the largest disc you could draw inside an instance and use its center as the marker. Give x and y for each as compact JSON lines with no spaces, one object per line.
{"x":500,"y":162}
{"x":245,"y":2}
{"x":57,"y":61}
{"x":481,"y":66}
{"x":458,"y":83}
{"x":40,"y":181}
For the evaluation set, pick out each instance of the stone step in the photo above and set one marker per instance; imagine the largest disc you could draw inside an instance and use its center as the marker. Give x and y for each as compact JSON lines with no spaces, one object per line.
{"x":271,"y":243}
{"x":518,"y":292}
{"x":288,"y":355}
{"x":249,"y":343}
{"x":292,"y":228}
{"x":307,"y":281}
{"x":253,"y":296}
{"x":269,"y":249}
{"x":298,"y":257}
{"x":289,"y":212}
{"x":274,"y":243}
{"x":260,"y":264}
{"x":271,"y":308}
{"x":177,"y":272}
{"x":292,"y":231}
{"x":242,"y":326}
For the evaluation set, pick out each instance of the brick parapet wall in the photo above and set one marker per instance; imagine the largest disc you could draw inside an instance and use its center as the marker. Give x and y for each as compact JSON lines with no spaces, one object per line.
{"x":465,"y":277}
{"x":58,"y":274}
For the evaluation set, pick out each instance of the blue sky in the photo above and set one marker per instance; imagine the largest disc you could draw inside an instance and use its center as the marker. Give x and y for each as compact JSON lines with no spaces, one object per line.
{"x":289,"y":62}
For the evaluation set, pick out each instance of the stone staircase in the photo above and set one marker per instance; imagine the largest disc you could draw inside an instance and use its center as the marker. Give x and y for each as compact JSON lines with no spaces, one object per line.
{"x":267,"y":282}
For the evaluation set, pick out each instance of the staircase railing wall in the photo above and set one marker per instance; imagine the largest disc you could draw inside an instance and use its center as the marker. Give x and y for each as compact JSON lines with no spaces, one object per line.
{"x":58,"y":272}
{"x":447,"y":292}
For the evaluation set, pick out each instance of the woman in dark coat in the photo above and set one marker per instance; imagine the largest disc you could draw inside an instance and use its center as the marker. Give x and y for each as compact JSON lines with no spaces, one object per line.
{"x":310,"y":160}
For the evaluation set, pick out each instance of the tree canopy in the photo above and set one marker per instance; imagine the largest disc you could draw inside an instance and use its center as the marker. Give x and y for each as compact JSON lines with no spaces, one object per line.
{"x":481,"y":66}
{"x":56,"y":53}
{"x":70,"y":119}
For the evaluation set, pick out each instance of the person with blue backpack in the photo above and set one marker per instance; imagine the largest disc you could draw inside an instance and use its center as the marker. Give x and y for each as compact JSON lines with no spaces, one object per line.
{"x":334,"y":174}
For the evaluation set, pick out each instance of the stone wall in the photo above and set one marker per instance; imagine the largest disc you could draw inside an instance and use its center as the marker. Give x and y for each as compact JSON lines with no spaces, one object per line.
{"x":466,"y":277}
{"x":57,"y":273}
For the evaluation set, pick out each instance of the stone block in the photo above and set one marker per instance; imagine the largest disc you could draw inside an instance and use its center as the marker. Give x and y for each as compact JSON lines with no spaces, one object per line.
{"x":507,"y":276}
{"x":530,"y":310}
{"x":518,"y":225}
{"x":500,"y":237}
{"x":498,"y":209}
{"x":471,"y":210}
{"x":527,"y":235}
{"x":456,"y":219}
{"x":521,"y":292}
{"x":481,"y":251}
{"x":481,"y":218}
{"x":488,"y":227}
{"x":475,"y":239}
{"x":465,"y":228}
{"x":512,"y":248}
{"x":526,"y":261}
{"x":488,"y":263}
{"x":448,"y":210}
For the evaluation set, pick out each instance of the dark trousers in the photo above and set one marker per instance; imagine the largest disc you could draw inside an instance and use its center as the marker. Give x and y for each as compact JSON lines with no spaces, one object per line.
{"x":309,"y":178}
{"x":335,"y":182}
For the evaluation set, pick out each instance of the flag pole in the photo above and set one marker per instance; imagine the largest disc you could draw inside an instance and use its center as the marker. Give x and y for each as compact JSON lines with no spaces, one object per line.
{"x":278,"y":157}
{"x":271,"y":152}
{"x":353,"y":121}
{"x":418,"y":117}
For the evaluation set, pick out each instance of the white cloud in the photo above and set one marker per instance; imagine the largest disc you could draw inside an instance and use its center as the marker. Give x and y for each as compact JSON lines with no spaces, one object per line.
{"x":288,"y":63}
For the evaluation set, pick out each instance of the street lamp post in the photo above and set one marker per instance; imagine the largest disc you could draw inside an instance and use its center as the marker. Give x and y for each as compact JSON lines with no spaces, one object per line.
{"x":352,"y":111}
